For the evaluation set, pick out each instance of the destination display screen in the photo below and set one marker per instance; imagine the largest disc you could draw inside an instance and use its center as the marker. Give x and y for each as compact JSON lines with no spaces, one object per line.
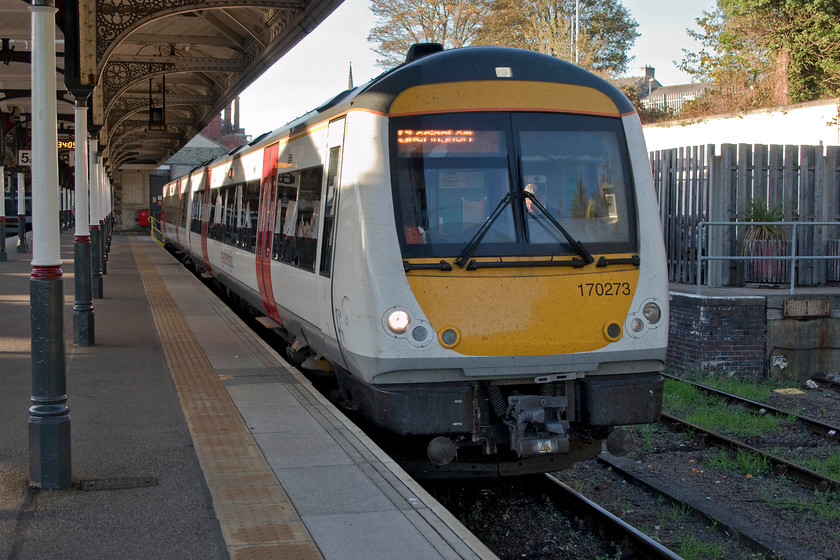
{"x":413,"y":142}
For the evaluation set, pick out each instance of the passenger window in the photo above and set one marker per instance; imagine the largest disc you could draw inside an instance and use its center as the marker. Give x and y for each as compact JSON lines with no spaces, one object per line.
{"x":329,"y":210}
{"x":296,"y":225}
{"x":197,"y":207}
{"x":182,"y":205}
{"x":284,"y":230}
{"x":246,"y":221}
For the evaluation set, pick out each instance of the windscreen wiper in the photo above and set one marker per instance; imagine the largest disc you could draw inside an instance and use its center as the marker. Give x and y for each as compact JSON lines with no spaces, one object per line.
{"x":576,"y":245}
{"x":468,"y":251}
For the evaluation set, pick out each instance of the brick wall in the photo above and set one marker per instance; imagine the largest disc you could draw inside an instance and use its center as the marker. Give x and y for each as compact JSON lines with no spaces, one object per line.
{"x":131,"y":193}
{"x":725,"y":335}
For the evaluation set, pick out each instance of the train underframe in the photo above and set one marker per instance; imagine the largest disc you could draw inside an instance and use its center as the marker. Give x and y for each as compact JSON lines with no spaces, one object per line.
{"x":506,"y":427}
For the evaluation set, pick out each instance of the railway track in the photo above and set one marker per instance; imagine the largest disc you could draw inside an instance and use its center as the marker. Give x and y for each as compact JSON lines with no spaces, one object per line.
{"x":817,"y":427}
{"x":633,"y":542}
{"x":779,"y":465}
{"x":832,"y":384}
{"x":753,"y":536}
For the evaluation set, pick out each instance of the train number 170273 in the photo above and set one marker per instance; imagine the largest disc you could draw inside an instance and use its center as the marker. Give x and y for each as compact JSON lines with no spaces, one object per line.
{"x":604,"y":289}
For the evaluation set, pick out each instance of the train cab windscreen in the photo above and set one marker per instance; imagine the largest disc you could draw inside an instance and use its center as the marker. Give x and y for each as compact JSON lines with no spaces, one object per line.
{"x":460,"y":177}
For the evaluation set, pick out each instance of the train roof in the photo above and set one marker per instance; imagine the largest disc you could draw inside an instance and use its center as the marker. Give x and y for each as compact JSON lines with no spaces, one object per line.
{"x":481,"y":63}
{"x":430,"y":66}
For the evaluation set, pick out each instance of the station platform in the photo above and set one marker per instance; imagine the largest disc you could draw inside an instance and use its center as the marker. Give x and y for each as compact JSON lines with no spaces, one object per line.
{"x":192,"y":438}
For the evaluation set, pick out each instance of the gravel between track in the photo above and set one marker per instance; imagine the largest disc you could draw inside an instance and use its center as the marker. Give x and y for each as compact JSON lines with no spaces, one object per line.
{"x":517,"y":526}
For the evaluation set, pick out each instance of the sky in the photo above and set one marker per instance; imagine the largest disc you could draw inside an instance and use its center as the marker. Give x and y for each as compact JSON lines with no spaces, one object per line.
{"x":317,"y":68}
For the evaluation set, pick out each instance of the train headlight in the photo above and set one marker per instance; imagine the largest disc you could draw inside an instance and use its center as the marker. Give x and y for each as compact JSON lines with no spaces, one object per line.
{"x":652,"y":312}
{"x":636,"y":325}
{"x":398,"y":321}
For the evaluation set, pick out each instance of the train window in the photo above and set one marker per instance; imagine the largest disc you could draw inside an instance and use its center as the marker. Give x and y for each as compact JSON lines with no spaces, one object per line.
{"x":451,"y":172}
{"x":329,"y":209}
{"x":247,"y":204}
{"x":229,"y":214}
{"x":296,"y":219}
{"x":182,"y":211}
{"x":197,"y":208}
{"x":217,"y":216}
{"x":577,"y":167}
{"x":284,"y":217}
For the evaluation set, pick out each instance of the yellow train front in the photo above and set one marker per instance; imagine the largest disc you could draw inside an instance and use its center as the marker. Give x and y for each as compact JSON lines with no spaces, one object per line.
{"x":499,"y":290}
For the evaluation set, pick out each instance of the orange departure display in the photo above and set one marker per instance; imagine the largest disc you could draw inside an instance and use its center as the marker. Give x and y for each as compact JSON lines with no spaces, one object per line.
{"x":435,"y":136}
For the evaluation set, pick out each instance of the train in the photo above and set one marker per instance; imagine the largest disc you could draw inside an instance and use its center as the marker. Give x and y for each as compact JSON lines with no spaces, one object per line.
{"x":469,"y":244}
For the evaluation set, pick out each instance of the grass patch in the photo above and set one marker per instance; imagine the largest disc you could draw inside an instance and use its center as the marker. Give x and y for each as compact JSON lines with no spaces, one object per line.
{"x":824,"y":506}
{"x":739,"y":461}
{"x":754,"y":389}
{"x":826,"y":466}
{"x":684,"y":401}
{"x":693,"y":548}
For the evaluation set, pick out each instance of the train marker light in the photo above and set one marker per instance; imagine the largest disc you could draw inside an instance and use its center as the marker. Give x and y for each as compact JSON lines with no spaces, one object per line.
{"x":636,"y":325}
{"x":612,"y":331}
{"x":398,"y":321}
{"x":419,"y":333}
{"x":652,"y":313}
{"x":449,"y":337}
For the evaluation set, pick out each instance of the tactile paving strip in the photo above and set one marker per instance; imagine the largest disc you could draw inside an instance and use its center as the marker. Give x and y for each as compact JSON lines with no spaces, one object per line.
{"x":255,"y":515}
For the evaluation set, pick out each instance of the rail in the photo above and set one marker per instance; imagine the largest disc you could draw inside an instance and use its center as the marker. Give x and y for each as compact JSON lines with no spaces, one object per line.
{"x":156,"y":232}
{"x":793,"y":257}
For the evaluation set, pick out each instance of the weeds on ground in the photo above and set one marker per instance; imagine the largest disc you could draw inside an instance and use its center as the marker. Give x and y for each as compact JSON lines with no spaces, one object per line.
{"x":693,"y":548}
{"x":823,"y":506}
{"x":686,"y":402}
{"x":827,"y":466}
{"x":742,"y":462}
{"x":754,"y":389}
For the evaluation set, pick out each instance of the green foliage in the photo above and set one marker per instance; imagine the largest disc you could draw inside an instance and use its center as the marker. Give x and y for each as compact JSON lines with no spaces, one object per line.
{"x":767,"y":52}
{"x":827,"y":466}
{"x":749,"y":389}
{"x":684,"y":401}
{"x":824,"y":506}
{"x":693,"y":548}
{"x":645,"y":115}
{"x":739,"y":461}
{"x":758,"y":210}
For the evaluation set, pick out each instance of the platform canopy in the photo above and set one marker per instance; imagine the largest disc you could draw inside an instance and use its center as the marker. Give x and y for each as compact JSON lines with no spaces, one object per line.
{"x":154,"y":72}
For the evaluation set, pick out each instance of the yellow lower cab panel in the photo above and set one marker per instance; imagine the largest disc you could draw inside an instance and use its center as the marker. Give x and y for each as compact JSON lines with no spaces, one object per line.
{"x":527,"y":310}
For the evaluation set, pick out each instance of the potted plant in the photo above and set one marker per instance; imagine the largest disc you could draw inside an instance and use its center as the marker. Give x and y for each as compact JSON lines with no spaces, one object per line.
{"x":765,"y":240}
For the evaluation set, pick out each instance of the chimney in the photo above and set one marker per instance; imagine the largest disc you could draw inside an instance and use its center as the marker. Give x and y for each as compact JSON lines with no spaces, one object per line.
{"x":226,"y":124}
{"x":236,"y":114}
{"x":649,"y":71}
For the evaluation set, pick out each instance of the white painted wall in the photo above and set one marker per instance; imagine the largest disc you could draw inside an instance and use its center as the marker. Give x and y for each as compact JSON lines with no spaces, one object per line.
{"x":811,"y":123}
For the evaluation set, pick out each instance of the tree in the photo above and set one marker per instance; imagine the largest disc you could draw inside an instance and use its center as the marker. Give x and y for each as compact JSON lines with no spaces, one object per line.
{"x":646,"y":116}
{"x":453,"y":23}
{"x":735,"y":60}
{"x":607,"y":32}
{"x":765,"y":52}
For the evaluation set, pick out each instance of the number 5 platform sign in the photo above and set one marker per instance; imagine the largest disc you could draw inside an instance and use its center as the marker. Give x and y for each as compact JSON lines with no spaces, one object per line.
{"x":25,"y":158}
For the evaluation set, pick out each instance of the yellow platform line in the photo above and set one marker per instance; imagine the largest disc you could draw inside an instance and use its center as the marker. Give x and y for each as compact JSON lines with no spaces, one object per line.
{"x":255,"y":515}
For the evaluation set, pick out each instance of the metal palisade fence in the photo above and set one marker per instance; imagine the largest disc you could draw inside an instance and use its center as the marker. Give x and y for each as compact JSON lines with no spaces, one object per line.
{"x":702,"y":193}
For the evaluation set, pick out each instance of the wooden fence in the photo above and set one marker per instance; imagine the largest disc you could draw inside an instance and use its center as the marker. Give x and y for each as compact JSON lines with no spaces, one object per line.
{"x":695,"y":184}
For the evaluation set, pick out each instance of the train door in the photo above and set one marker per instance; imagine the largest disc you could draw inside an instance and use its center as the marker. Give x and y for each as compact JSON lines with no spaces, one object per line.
{"x":205,"y":221}
{"x":329,"y":198}
{"x":265,"y":234}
